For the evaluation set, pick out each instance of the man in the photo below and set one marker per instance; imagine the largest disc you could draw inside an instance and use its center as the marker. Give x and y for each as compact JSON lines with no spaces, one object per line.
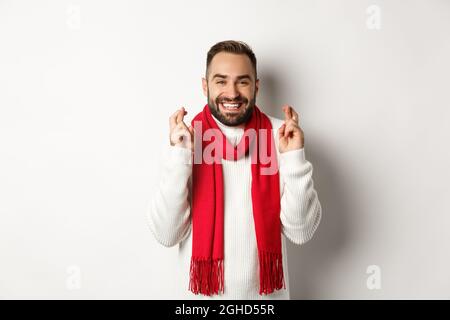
{"x":231,"y":216}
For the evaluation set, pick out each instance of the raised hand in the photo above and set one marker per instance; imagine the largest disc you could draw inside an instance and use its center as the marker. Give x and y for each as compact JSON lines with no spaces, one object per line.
{"x":290,"y":134}
{"x":180,"y":134}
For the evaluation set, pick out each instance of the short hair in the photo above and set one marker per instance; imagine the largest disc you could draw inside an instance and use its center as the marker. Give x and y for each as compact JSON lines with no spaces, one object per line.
{"x":231,"y":46}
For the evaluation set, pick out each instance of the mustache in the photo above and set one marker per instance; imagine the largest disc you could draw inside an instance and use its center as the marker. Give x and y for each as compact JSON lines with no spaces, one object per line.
{"x":228,"y":100}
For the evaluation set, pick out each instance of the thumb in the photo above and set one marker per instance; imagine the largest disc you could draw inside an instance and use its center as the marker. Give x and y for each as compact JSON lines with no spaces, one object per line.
{"x":191,"y":130}
{"x":281,"y":131}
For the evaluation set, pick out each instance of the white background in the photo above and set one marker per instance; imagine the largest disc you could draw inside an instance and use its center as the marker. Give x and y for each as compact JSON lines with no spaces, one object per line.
{"x":86,"y":89}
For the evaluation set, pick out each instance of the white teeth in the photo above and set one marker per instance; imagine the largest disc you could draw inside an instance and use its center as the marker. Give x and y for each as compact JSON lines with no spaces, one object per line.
{"x":231,"y":106}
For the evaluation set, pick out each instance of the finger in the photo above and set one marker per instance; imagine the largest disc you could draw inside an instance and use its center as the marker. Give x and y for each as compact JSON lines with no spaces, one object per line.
{"x":173,"y":120}
{"x":191,"y":131}
{"x":294,"y":115}
{"x":290,"y":128}
{"x":186,"y":139}
{"x":181,"y":135}
{"x":281,"y":130}
{"x":182,"y":126}
{"x":291,"y":122}
{"x":181,"y":113}
{"x":287,"y":112}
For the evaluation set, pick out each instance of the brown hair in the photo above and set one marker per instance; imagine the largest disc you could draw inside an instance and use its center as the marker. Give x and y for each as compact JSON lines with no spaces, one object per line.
{"x":231,"y":46}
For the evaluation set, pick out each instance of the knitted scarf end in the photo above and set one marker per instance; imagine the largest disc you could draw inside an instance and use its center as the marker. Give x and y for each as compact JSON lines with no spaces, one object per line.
{"x":206,"y":276}
{"x":271,"y":272}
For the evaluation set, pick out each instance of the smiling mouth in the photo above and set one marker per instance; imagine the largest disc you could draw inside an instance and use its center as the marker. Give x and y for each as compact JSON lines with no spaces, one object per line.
{"x":231,"y":107}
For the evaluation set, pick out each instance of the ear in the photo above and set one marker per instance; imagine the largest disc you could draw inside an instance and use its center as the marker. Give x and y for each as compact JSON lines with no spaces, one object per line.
{"x":256,"y":86}
{"x":205,"y":87}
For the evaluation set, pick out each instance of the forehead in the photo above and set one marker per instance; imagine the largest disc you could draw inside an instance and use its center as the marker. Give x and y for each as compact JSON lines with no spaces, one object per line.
{"x":231,"y":64}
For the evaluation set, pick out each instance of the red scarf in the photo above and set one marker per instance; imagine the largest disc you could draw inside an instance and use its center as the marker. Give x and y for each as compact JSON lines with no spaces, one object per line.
{"x":207,"y":208}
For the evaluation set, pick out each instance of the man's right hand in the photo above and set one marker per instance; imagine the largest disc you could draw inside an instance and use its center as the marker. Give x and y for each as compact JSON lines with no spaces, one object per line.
{"x":180,"y":134}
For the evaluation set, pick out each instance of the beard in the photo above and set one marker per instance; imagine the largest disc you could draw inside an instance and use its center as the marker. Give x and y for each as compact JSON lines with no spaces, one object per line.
{"x":232,"y":119}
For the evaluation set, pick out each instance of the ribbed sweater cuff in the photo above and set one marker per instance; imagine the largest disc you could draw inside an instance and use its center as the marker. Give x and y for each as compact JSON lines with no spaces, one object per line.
{"x":178,"y":155}
{"x":292,"y":159}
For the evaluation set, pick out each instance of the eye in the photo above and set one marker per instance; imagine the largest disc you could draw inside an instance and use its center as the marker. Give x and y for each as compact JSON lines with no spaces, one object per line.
{"x":220,"y":82}
{"x":244,"y":83}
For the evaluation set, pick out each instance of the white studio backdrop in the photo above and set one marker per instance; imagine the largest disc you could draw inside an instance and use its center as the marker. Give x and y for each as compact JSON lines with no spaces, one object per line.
{"x":86,"y":89}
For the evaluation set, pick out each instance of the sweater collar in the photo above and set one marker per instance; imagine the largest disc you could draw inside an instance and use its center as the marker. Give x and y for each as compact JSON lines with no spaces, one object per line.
{"x":232,"y":133}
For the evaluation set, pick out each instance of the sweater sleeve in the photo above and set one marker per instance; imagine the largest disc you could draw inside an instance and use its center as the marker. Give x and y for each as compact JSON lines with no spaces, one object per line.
{"x":168,"y":214}
{"x":301,"y":211}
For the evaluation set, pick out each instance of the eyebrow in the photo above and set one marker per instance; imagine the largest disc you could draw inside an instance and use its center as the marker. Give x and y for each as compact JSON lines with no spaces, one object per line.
{"x":244,"y":76}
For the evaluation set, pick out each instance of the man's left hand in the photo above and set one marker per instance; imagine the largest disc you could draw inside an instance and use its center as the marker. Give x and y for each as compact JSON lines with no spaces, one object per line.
{"x":290,"y":134}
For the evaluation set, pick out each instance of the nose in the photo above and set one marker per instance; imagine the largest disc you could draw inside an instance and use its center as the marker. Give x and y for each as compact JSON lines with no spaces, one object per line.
{"x":231,"y":92}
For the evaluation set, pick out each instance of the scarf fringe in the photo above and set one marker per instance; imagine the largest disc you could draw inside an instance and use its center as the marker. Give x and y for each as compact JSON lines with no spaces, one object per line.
{"x":271,"y":276}
{"x":206,"y":276}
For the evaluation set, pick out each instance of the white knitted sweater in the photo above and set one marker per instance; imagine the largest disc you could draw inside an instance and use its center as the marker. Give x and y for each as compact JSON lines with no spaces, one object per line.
{"x":169,"y":220}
